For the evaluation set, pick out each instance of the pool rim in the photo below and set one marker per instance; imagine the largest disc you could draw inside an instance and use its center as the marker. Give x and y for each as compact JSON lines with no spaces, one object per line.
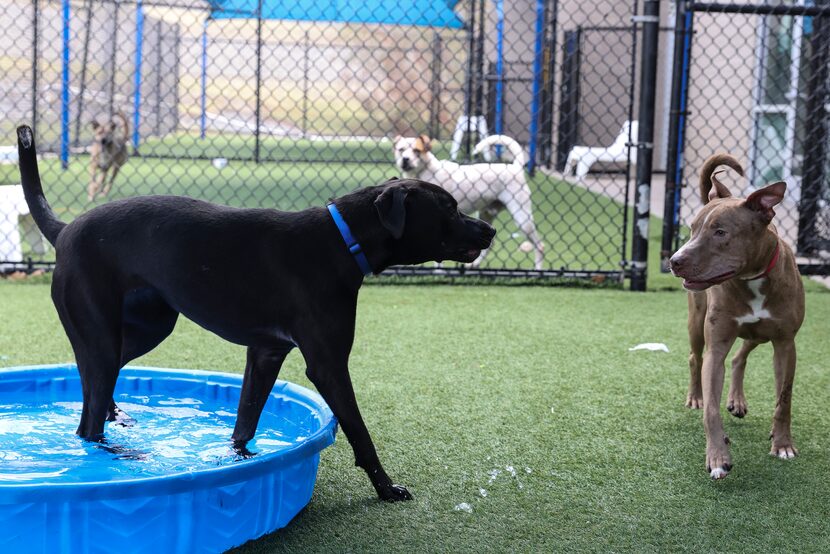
{"x":181,"y":481}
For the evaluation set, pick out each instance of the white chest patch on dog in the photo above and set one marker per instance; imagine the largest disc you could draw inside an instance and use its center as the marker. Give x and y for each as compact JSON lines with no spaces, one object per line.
{"x":756,"y":305}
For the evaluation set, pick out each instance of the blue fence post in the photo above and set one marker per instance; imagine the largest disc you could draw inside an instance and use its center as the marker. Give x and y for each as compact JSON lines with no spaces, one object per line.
{"x":65,"y":87}
{"x":499,"y":72}
{"x":203,"y":97}
{"x":537,"y":84}
{"x":139,"y":41}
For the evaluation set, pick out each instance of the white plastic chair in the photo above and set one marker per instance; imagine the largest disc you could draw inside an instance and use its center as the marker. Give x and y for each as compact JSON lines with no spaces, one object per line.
{"x":583,"y":157}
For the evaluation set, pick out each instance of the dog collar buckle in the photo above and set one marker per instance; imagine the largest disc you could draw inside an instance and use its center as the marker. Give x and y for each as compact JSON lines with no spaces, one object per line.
{"x":354,"y":247}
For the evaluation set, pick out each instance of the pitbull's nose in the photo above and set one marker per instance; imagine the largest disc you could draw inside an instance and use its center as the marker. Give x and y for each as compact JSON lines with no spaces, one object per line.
{"x":677,"y":263}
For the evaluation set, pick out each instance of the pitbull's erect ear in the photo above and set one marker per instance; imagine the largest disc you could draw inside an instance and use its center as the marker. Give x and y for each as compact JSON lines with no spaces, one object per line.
{"x":763,"y":200}
{"x":396,"y":140}
{"x":392,"y":209}
{"x":427,"y":142}
{"x":718,"y":189}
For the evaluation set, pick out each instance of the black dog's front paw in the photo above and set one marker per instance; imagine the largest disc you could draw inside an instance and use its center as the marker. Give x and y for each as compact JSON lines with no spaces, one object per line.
{"x":241,"y":449}
{"x":394,"y":493}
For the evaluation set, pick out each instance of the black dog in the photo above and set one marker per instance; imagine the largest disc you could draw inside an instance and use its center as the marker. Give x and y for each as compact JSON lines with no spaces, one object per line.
{"x":126,"y":269}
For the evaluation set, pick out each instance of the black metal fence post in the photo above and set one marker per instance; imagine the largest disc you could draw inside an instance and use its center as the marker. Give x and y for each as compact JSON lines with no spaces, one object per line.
{"x":815,"y":132}
{"x":157,"y":87}
{"x":258,"y":79}
{"x":468,"y":101}
{"x":306,"y":48}
{"x":435,"y":88}
{"x":645,"y":144}
{"x":84,"y":63}
{"x":677,"y":122}
{"x":177,"y":43}
{"x":113,"y":51}
{"x":548,"y":96}
{"x":35,"y":55}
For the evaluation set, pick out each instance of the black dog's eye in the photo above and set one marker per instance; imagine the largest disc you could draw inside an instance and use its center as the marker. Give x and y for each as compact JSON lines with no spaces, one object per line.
{"x":720,"y":233}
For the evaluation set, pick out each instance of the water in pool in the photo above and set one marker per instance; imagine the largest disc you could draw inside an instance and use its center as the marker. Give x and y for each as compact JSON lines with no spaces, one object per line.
{"x":170,"y":435}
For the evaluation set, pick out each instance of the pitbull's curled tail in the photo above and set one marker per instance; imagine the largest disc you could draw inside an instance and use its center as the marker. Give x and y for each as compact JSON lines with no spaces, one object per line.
{"x":515,"y":148}
{"x":708,"y":169}
{"x":42,"y":213}
{"x":126,"y":125}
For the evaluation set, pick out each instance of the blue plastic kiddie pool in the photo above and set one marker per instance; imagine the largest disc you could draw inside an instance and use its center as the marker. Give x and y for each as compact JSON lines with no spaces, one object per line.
{"x":169,"y":483}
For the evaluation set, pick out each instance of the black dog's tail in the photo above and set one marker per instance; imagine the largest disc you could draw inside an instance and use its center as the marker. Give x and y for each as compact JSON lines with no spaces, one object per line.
{"x":42,"y":213}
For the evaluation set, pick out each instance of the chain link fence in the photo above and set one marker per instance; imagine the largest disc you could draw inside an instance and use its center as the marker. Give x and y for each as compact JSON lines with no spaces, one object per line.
{"x":257,"y":103}
{"x":755,"y":83}
{"x":271,"y":104}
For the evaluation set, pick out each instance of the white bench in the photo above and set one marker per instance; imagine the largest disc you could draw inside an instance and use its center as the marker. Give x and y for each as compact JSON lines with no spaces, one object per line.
{"x":581,"y":158}
{"x":14,"y":216}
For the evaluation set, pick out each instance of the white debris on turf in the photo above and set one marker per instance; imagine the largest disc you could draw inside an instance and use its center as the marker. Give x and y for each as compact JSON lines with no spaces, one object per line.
{"x":651,"y":346}
{"x":495,"y":472}
{"x":482,"y":492}
{"x":464,"y":507}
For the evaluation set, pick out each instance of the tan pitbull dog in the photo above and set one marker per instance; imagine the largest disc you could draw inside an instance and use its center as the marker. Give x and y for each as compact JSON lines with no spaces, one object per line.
{"x":743,"y":282}
{"x":107,"y":153}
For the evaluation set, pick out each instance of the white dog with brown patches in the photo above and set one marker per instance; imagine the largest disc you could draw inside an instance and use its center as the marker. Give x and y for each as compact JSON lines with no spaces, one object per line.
{"x":484,"y":188}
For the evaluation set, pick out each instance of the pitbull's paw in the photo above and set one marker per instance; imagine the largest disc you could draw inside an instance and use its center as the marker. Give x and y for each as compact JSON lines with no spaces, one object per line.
{"x":737,"y":405}
{"x":783,"y":449}
{"x":394,"y":493}
{"x":718,"y":461}
{"x":694,"y":400}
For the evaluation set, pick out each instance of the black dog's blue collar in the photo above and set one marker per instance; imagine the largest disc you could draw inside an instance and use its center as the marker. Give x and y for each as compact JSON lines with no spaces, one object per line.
{"x":353,"y":246}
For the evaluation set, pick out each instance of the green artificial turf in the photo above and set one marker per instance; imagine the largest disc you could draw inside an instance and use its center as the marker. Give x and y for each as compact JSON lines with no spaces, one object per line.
{"x":459,"y":384}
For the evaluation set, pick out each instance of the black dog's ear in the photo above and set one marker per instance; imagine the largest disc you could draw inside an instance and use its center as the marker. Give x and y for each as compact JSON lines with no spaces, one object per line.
{"x":392,"y":209}
{"x":95,"y":124}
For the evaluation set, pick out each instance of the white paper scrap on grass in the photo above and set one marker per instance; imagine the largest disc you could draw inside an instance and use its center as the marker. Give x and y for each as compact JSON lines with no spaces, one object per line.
{"x":652,"y":346}
{"x":464,"y":507}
